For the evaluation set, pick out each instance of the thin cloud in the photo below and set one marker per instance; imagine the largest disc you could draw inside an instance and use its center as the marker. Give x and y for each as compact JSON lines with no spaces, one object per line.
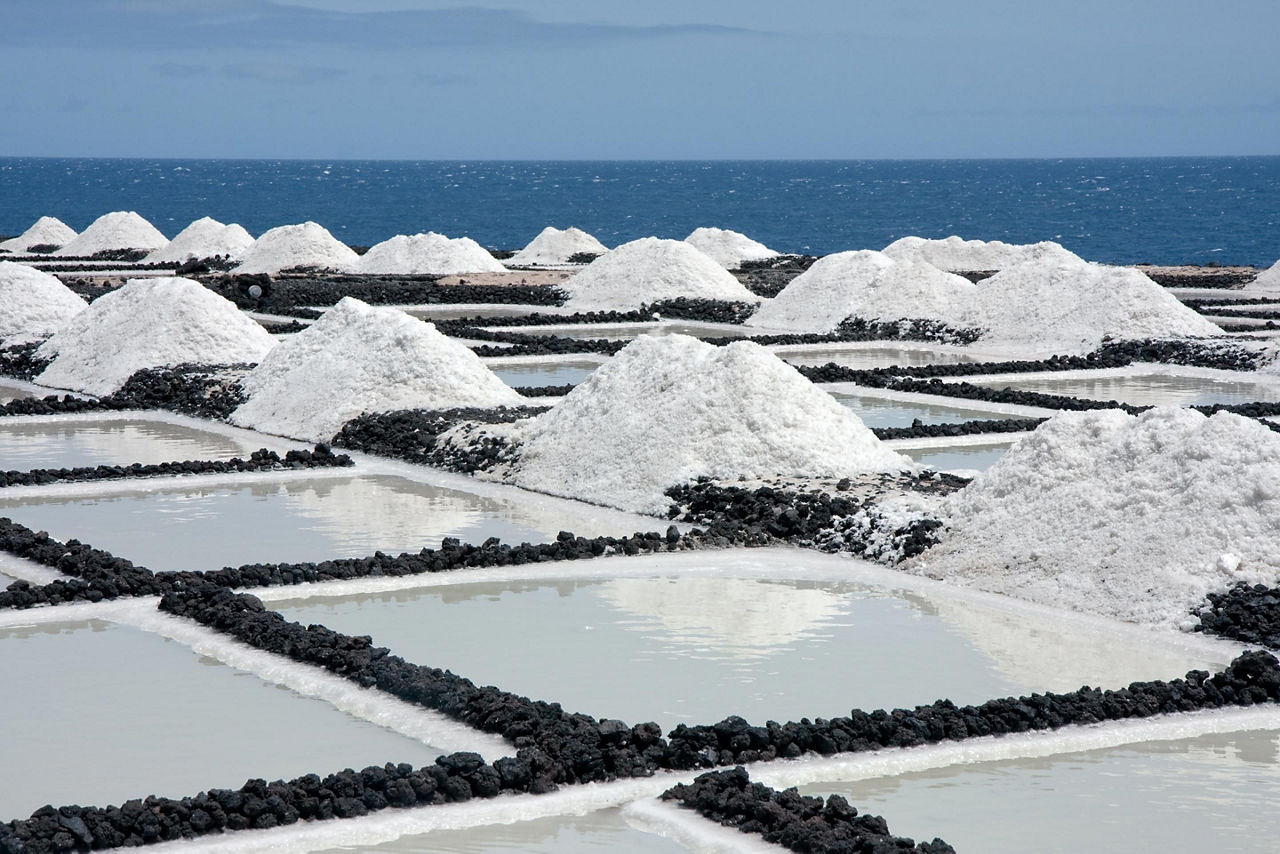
{"x":280,"y":72}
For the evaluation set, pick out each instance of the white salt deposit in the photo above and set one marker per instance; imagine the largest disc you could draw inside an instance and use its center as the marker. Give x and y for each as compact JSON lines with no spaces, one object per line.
{"x":1052,"y":305}
{"x":954,"y":253}
{"x":145,"y":324}
{"x":287,"y":246}
{"x":1268,"y":279}
{"x":865,"y":284}
{"x":728,"y":248}
{"x":33,"y":304}
{"x":204,"y":238}
{"x":649,"y":270}
{"x":46,"y":231}
{"x":1129,"y":517}
{"x":116,"y":230}
{"x":428,"y":253}
{"x":669,"y":409}
{"x":553,"y":246}
{"x":357,"y":358}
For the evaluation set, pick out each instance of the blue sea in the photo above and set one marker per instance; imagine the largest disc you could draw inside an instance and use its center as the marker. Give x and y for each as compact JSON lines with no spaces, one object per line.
{"x":1122,"y":211}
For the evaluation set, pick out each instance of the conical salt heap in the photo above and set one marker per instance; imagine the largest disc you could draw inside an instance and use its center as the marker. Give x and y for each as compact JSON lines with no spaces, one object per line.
{"x":554,"y":246}
{"x":427,"y":254}
{"x":115,"y":231}
{"x":956,"y":254}
{"x":728,"y":248}
{"x":204,"y":238}
{"x":33,"y":304}
{"x":650,"y":270}
{"x":46,"y":231}
{"x":287,"y":246}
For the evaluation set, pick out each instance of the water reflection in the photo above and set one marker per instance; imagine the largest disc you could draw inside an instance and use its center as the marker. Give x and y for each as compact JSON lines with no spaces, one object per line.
{"x":9,"y":392}
{"x":114,"y":442}
{"x":884,"y":412}
{"x":547,"y":373}
{"x":959,"y":457}
{"x":1149,"y":390}
{"x":878,"y":357}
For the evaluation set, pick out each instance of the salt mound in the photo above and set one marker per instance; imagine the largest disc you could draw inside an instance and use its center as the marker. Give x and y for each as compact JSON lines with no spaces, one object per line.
{"x":113,"y":231}
{"x":357,"y":358}
{"x":287,"y":246}
{"x":728,"y":248}
{"x":866,"y":284}
{"x":954,"y":253}
{"x":204,"y":238}
{"x":668,"y":409}
{"x":1068,"y":307}
{"x":1268,"y":279}
{"x":649,"y":270}
{"x":1130,"y":517}
{"x":46,"y":231}
{"x":553,"y":246}
{"x":428,"y":253}
{"x":33,"y":303}
{"x":148,"y":323}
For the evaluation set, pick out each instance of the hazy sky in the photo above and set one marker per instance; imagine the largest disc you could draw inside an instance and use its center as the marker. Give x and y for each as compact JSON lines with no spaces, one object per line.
{"x":425,"y":79}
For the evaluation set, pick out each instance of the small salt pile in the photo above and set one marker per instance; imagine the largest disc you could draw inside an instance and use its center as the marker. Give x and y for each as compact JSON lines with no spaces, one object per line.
{"x":427,"y":254}
{"x":115,"y":231}
{"x":357,"y":358}
{"x":46,"y":231}
{"x":865,"y":284}
{"x":649,"y":270}
{"x":669,"y":409}
{"x":1056,"y":306}
{"x":204,"y":238}
{"x":553,"y":246}
{"x":148,"y":323}
{"x":33,"y":304}
{"x":287,"y":246}
{"x":728,"y":248}
{"x":1130,"y":517}
{"x":1267,"y":280}
{"x":956,"y":254}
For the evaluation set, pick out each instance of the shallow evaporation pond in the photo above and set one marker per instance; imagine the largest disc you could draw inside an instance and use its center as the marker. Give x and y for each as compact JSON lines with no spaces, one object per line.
{"x":310,"y":519}
{"x":865,"y":358}
{"x":116,"y":441}
{"x":1147,"y":389}
{"x":445,"y":311}
{"x":6,"y":580}
{"x":545,"y":373}
{"x":98,"y":713}
{"x":888,"y":412}
{"x":603,"y":830}
{"x":10,"y":393}
{"x":959,"y":457}
{"x":1209,"y":793}
{"x":695,"y":649}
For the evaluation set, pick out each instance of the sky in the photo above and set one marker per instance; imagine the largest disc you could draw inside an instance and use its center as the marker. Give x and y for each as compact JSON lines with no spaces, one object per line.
{"x":640,"y":79}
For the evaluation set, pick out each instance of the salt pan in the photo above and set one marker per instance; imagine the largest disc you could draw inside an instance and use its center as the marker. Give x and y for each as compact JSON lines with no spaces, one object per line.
{"x":357,"y":358}
{"x":114,"y":231}
{"x":148,"y":323}
{"x":287,"y":246}
{"x":33,"y":304}
{"x":553,"y":246}
{"x":204,"y":238}
{"x":46,"y":231}
{"x":649,"y":270}
{"x":954,"y":253}
{"x":430,"y":254}
{"x":728,"y":248}
{"x":1129,"y":517}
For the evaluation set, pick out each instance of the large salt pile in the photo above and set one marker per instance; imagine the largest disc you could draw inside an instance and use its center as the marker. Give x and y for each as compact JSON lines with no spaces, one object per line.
{"x":33,"y":304}
{"x":553,"y":246}
{"x":357,"y":358}
{"x":954,"y":253}
{"x":115,"y":231}
{"x":669,"y":409}
{"x":1055,"y":306}
{"x":46,"y":231}
{"x":865,"y":284}
{"x":1267,"y":280}
{"x":287,"y":246}
{"x":148,"y":323}
{"x":204,"y":238}
{"x":430,"y":253}
{"x":649,"y":270}
{"x":1130,"y":517}
{"x":728,"y":248}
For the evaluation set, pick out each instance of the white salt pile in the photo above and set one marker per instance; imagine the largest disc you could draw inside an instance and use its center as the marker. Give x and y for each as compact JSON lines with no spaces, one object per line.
{"x":115,"y":231}
{"x":33,"y":304}
{"x":669,"y":409}
{"x":1054,"y":306}
{"x":553,"y":246}
{"x":1130,"y":517}
{"x":287,"y":246}
{"x":148,"y":323}
{"x":954,"y":253}
{"x":357,"y":358}
{"x":728,"y":248}
{"x":46,"y":231}
{"x":204,"y":238}
{"x":428,"y":253}
{"x":649,"y":270}
{"x":1267,"y":280}
{"x":865,"y":284}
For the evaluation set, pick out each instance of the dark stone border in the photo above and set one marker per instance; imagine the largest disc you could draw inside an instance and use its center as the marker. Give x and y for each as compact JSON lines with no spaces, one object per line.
{"x":1249,"y":613}
{"x":411,"y":434}
{"x":794,"y":821}
{"x":260,"y":460}
{"x":920,"y":430}
{"x":203,"y":391}
{"x":287,"y":294}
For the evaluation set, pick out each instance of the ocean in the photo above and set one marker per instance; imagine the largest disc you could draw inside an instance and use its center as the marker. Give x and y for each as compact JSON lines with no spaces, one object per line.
{"x":1222,"y":210}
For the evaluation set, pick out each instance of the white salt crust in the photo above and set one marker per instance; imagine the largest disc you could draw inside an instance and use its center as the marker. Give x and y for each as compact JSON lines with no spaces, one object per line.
{"x":46,"y":231}
{"x":33,"y":304}
{"x":428,"y":253}
{"x":649,"y":270}
{"x":556,"y":246}
{"x":728,"y":248}
{"x":357,"y":358}
{"x":287,"y":246}
{"x":204,"y":238}
{"x":116,"y":230}
{"x":1268,"y":279}
{"x":956,"y":254}
{"x":148,"y":323}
